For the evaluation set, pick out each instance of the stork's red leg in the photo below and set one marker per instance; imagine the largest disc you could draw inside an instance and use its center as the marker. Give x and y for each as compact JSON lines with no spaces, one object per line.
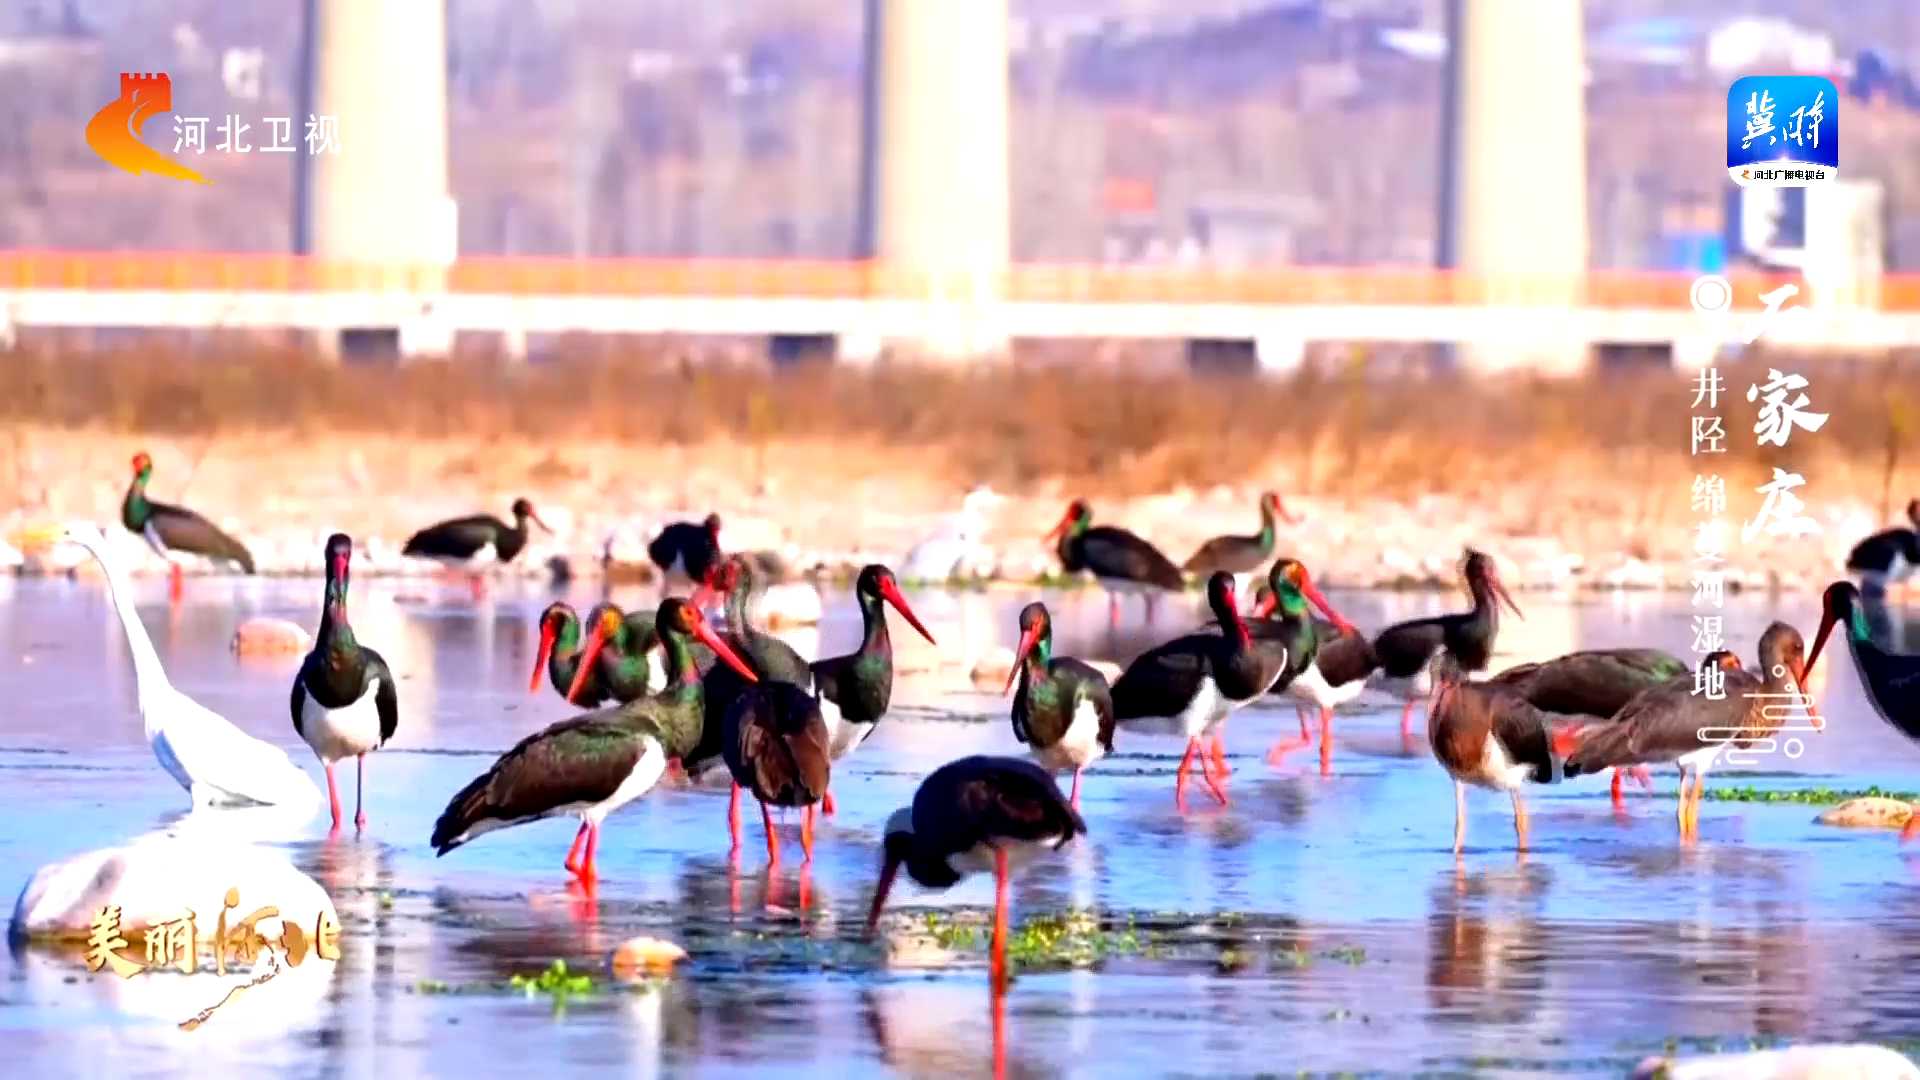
{"x":826,"y":804}
{"x":733,"y":816}
{"x":573,"y":853}
{"x":360,"y":792}
{"x":1326,"y":741}
{"x":1074,"y":799}
{"x":592,"y":872}
{"x":773,"y":843}
{"x":806,"y":836}
{"x":1000,"y":911}
{"x":333,"y":797}
{"x":1213,"y":783}
{"x":1180,"y":775}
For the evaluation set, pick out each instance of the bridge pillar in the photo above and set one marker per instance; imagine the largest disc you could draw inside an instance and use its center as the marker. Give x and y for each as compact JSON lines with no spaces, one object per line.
{"x":1514,"y":189}
{"x":934,"y":210}
{"x":380,"y":200}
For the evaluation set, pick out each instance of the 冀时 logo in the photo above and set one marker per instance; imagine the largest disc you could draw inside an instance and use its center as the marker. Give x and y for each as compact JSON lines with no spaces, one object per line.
{"x":1783,"y":131}
{"x":114,"y":131}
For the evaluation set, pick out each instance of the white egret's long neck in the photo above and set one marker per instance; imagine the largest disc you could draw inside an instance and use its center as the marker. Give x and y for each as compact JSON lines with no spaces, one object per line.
{"x":148,"y":673}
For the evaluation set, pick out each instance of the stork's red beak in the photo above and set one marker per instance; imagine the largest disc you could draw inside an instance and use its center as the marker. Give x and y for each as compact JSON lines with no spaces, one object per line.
{"x":1028,"y":638}
{"x":1806,"y":698}
{"x":1053,"y":534}
{"x":891,"y":592}
{"x":1264,"y":609}
{"x":595,"y":639}
{"x":720,"y":648}
{"x":1320,"y":601}
{"x":1827,"y":621}
{"x":1500,"y":589}
{"x":540,"y":661}
{"x":887,"y":873}
{"x":534,"y":516}
{"x":707,"y":590}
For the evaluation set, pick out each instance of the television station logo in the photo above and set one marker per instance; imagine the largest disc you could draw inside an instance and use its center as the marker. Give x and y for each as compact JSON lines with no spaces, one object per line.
{"x":1783,"y":131}
{"x":115,"y":132}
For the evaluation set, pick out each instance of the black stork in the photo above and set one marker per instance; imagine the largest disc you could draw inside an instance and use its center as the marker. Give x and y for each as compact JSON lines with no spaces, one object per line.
{"x":1119,"y":560}
{"x":1064,"y":711}
{"x":612,"y":664}
{"x":1407,"y":650}
{"x":474,"y":543}
{"x":1342,"y":664}
{"x":777,"y":745}
{"x":593,"y":764}
{"x":1491,"y":737}
{"x":175,"y":529}
{"x":558,"y":655}
{"x":1241,"y":554}
{"x":1189,"y":685}
{"x":971,"y":815}
{"x":1889,"y":557}
{"x":1284,"y":626}
{"x":772,"y":660}
{"x":1594,"y":683}
{"x":1673,"y":723}
{"x":688,"y":549}
{"x":856,"y":689}
{"x":344,"y":701}
{"x":1891,"y":680}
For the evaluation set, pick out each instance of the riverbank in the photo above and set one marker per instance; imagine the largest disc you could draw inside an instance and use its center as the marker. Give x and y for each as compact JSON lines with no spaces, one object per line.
{"x":1582,"y":484}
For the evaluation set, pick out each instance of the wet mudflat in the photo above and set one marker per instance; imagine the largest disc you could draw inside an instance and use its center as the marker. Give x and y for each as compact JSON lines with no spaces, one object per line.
{"x":1319,"y":923}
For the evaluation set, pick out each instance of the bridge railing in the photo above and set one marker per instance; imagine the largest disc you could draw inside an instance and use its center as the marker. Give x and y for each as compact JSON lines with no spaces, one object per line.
{"x":829,"y":279}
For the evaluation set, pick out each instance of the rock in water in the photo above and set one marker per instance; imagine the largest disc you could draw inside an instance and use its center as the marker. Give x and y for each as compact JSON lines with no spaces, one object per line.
{"x":262,"y":636}
{"x":1870,"y":812}
{"x":161,"y":877}
{"x":990,"y":671}
{"x":638,"y":957}
{"x":1833,"y":1061}
{"x":793,"y":604}
{"x":273,"y":980}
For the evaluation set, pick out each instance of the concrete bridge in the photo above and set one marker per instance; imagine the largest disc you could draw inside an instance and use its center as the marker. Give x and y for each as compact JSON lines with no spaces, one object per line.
{"x":1258,"y":318}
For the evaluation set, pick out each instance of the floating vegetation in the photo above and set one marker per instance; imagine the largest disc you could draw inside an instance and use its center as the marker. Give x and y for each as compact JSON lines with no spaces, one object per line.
{"x":1820,"y":796}
{"x":1350,"y":955}
{"x":556,"y":982}
{"x":1066,"y":940}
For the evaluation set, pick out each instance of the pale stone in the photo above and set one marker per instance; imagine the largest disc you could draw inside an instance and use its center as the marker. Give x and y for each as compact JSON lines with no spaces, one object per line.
{"x":264,"y":636}
{"x":1871,"y":812}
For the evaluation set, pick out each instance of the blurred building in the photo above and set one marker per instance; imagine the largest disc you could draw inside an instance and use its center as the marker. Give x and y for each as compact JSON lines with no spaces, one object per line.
{"x":1223,"y":131}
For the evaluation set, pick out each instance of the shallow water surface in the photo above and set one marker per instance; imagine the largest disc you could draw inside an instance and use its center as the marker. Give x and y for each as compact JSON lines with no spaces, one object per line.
{"x":1318,"y":923}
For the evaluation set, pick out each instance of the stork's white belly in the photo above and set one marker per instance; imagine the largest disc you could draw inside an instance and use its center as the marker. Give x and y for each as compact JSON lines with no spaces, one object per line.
{"x":1497,"y":771}
{"x":844,"y":736}
{"x":1201,"y":714}
{"x":1079,"y":746}
{"x":1311,"y":686}
{"x":345,"y":732}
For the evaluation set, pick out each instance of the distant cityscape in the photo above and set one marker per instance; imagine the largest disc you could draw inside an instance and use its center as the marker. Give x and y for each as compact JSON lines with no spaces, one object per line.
{"x":1148,"y":131}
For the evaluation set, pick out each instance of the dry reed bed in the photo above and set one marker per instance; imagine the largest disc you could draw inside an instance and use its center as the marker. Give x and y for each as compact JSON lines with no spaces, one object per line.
{"x":1119,"y":433}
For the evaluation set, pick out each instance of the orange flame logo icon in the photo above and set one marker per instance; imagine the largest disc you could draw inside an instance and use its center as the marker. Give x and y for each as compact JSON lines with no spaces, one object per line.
{"x":114,"y":132}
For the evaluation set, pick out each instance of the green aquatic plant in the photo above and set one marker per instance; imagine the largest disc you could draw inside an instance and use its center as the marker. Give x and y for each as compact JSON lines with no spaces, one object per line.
{"x":556,"y":981}
{"x":1066,"y":939}
{"x":1350,"y":955}
{"x":1820,"y":796}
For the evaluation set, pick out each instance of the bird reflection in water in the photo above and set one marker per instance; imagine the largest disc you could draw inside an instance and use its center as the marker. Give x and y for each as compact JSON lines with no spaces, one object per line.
{"x":1487,"y":967}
